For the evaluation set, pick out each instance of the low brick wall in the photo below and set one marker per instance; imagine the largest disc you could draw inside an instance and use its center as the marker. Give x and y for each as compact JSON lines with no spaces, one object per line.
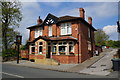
{"x":24,"y":54}
{"x":65,"y":59}
{"x":31,"y":56}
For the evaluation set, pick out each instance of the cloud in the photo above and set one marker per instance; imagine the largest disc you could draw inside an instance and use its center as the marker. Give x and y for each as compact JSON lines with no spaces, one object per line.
{"x":70,"y":12}
{"x":69,"y":0}
{"x":102,"y":10}
{"x":30,"y":13}
{"x":52,"y":4}
{"x":111,"y":30}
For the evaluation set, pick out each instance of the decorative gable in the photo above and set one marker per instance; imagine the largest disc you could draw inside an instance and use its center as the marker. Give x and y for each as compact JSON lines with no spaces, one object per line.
{"x":50,"y":19}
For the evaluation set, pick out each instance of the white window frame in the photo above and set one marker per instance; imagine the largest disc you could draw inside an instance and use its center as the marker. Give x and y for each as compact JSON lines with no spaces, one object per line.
{"x":36,"y":32}
{"x":39,"y":46}
{"x":40,"y":31}
{"x":31,"y":48}
{"x":72,"y":46}
{"x":50,"y":30}
{"x":66,"y":28}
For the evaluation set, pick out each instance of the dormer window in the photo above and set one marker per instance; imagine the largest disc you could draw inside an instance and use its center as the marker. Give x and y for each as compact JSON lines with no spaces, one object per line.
{"x":66,"y":29}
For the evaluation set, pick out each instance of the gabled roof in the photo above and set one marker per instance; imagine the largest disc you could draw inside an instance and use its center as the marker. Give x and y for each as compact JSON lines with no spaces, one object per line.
{"x":65,"y":18}
{"x":60,"y":20}
{"x":38,"y":25}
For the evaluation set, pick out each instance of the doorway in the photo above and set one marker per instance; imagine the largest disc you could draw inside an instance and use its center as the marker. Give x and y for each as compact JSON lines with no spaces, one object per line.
{"x":49,"y":52}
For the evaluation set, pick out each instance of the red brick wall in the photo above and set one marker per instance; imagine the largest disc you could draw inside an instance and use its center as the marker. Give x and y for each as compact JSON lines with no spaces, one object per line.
{"x":31,"y":56}
{"x":58,"y":30}
{"x":54,"y":30}
{"x":45,"y":31}
{"x":24,"y":53}
{"x":84,"y":42}
{"x":75,"y":30}
{"x":32,"y":34}
{"x":40,"y":56}
{"x":64,"y":59}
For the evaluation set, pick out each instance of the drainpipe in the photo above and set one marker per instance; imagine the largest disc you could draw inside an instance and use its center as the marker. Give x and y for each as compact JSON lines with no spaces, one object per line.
{"x":78,"y":49}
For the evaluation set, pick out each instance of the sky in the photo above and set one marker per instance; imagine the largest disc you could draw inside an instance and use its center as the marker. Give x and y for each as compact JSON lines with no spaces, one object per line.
{"x":104,"y":14}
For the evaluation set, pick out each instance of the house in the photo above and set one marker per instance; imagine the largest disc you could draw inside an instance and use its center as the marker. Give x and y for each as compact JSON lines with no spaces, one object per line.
{"x":65,"y":39}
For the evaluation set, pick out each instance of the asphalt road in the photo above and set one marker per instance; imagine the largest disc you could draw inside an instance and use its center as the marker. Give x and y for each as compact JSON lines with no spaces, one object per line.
{"x":12,"y":71}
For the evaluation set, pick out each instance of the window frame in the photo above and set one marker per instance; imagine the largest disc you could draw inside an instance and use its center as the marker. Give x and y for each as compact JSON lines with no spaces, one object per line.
{"x":65,"y":28}
{"x":50,"y":30}
{"x":40,"y":46}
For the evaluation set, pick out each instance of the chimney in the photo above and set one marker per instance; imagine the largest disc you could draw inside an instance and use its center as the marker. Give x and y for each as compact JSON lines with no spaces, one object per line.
{"x":39,"y":21}
{"x":82,"y":13}
{"x":90,"y":20}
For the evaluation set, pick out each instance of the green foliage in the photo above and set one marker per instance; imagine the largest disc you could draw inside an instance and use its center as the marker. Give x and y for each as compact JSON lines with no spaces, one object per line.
{"x":9,"y":53}
{"x":10,"y":18}
{"x":114,"y":44}
{"x":100,"y":37}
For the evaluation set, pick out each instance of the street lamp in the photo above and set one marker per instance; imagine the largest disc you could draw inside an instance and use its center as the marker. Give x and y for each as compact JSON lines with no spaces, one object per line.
{"x":18,"y":42}
{"x":118,"y":29}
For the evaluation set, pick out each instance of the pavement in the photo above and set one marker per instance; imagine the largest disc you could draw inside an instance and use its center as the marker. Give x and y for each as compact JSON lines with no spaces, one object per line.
{"x":101,"y":67}
{"x":97,"y":65}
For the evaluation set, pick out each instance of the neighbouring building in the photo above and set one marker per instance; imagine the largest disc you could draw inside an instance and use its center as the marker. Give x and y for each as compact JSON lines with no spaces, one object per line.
{"x":65,"y":39}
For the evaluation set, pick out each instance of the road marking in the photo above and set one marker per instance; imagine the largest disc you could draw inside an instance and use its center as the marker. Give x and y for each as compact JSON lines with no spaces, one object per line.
{"x":12,"y":75}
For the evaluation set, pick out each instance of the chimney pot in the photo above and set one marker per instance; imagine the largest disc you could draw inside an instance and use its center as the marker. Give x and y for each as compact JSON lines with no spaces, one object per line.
{"x":82,"y":15}
{"x":39,"y":21}
{"x":90,"y":20}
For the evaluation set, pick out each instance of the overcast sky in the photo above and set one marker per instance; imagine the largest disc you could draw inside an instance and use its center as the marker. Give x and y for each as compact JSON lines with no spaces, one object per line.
{"x":104,"y":14}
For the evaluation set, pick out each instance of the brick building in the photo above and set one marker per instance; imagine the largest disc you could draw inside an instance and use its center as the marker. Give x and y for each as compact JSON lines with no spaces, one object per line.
{"x":64,"y":39}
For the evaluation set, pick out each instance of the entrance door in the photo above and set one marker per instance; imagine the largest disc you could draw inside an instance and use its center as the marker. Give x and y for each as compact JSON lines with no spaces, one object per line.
{"x":49,"y":52}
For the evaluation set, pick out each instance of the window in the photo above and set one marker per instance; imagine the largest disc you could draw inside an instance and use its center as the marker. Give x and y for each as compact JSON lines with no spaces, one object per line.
{"x":40,"y":47}
{"x":32,"y":48}
{"x":70,"y":48}
{"x":88,"y":33}
{"x":54,"y":49}
{"x":62,"y":49}
{"x":40,"y":43}
{"x":50,"y":30}
{"x":38,"y":32}
{"x":89,"y":46}
{"x":66,"y":28}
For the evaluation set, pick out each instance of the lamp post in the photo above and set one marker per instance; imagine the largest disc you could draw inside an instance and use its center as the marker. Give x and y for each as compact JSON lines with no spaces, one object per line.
{"x":118,"y":29}
{"x":18,"y":42}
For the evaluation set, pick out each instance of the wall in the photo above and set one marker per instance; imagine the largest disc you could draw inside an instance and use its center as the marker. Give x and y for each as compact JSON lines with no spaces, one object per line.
{"x":65,"y":59}
{"x":32,"y":34}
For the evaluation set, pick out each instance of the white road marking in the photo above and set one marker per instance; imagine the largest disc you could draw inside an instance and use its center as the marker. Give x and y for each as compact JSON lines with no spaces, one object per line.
{"x":12,"y":75}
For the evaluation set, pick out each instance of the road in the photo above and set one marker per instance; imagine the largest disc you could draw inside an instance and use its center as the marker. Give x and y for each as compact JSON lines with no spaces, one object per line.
{"x":12,"y":71}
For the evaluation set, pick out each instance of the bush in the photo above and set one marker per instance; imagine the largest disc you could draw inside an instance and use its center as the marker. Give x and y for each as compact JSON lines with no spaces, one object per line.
{"x":9,"y":53}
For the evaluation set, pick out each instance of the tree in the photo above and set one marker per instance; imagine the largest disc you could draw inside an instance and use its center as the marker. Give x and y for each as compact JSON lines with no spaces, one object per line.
{"x":11,"y":16}
{"x":100,"y":37}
